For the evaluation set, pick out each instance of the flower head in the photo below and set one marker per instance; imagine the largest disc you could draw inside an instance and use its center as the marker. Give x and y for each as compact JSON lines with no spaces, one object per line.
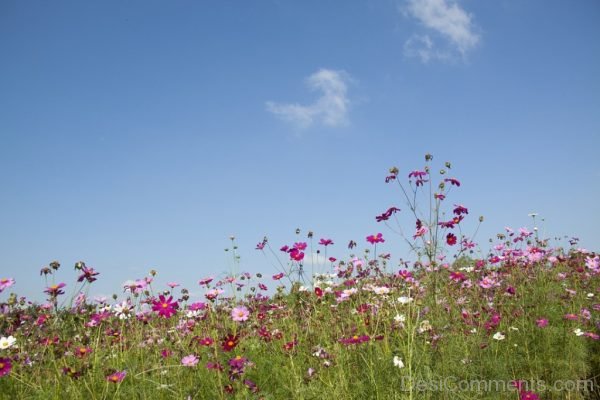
{"x":229,"y":342}
{"x":240,"y":314}
{"x":5,"y":366}
{"x":374,"y":239}
{"x":398,"y":362}
{"x":117,"y":377}
{"x":5,"y":283}
{"x":165,"y":307}
{"x":189,"y":361}
{"x":7,"y":342}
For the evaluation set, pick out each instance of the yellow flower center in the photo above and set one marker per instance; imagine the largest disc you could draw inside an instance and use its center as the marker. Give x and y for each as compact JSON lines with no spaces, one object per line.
{"x":165,"y":305}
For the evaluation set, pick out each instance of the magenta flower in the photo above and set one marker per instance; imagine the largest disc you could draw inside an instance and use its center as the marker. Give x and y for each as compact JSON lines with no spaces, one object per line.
{"x":240,"y":314}
{"x":325,"y":242}
{"x":420,"y":232}
{"x":373,"y":239}
{"x":277,"y":277}
{"x":459,"y":210}
{"x":205,"y":281}
{"x":5,"y":283}
{"x":189,"y":361}
{"x":89,"y":274}
{"x":452,"y":181}
{"x":5,"y":366}
{"x":117,"y":377}
{"x":451,"y":239}
{"x":165,"y":307}
{"x":542,"y":322}
{"x":55,"y":290}
{"x":172,"y":285}
{"x":296,"y":255}
{"x":301,"y":246}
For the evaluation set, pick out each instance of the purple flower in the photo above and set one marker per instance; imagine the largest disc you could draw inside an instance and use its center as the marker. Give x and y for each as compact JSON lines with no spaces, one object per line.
{"x":5,"y":366}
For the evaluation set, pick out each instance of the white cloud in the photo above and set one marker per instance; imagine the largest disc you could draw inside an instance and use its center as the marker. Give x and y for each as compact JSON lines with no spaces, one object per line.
{"x":447,"y":19}
{"x":330,"y":109}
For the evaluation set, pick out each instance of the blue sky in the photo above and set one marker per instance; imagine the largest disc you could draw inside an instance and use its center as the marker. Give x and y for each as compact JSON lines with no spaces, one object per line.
{"x":142,"y":134}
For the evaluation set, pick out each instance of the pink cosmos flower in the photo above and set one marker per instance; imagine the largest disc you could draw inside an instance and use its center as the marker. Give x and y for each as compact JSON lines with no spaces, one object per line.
{"x":296,"y":255}
{"x":205,"y":281}
{"x":240,"y":314}
{"x":5,"y":283}
{"x":325,"y":242}
{"x":374,"y":239}
{"x":5,"y":366}
{"x":451,"y":239}
{"x":420,"y":232}
{"x":277,"y":277}
{"x":117,"y":377}
{"x":542,"y":322}
{"x":55,"y":290}
{"x":165,"y":307}
{"x":189,"y":361}
{"x":301,"y":246}
{"x":172,"y":285}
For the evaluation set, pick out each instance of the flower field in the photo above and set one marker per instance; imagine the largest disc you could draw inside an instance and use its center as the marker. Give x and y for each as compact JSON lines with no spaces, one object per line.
{"x":520,"y":320}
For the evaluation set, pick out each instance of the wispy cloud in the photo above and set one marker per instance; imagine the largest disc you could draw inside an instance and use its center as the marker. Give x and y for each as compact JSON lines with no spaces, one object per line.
{"x":446,"y":19}
{"x":330,"y":109}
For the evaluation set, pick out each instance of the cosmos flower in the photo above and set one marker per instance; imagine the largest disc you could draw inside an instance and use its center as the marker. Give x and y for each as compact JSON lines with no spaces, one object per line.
{"x":498,"y":336}
{"x":398,"y":362}
{"x":7,"y":342}
{"x":189,"y":361}
{"x":165,"y":307}
{"x":374,"y":239}
{"x":5,"y":283}
{"x":117,"y":377}
{"x":230,"y":342}
{"x":541,"y":323}
{"x":55,"y":290}
{"x":240,"y":314}
{"x":5,"y":366}
{"x":325,"y":242}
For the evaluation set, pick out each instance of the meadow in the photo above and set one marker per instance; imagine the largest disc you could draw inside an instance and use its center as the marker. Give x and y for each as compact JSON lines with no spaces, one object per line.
{"x":519,"y":319}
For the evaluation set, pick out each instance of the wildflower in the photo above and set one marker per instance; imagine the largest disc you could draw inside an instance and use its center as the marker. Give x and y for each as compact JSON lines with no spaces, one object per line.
{"x":278,"y":276}
{"x":82,"y":351}
{"x":451,"y":239}
{"x":230,"y":342}
{"x":420,"y":232}
{"x":398,"y":362}
{"x":325,"y":242}
{"x":213,"y":294}
{"x":205,"y":281}
{"x":7,"y":342}
{"x":5,"y":366}
{"x":5,"y":283}
{"x":89,"y":274}
{"x":541,"y":323}
{"x":404,"y":299}
{"x":578,"y":332}
{"x":452,"y":181}
{"x":527,"y":395}
{"x":498,"y":336}
{"x":300,"y":246}
{"x":123,"y":310}
{"x":296,"y":255}
{"x":55,"y":290}
{"x":459,"y":210}
{"x":400,"y":318}
{"x":374,"y":239}
{"x":117,"y":377}
{"x":189,"y":361}
{"x":355,"y":340}
{"x":172,"y":285}
{"x":240,"y":314}
{"x":165,"y":307}
{"x":207,"y":341}
{"x":381,"y":290}
{"x":318,"y":292}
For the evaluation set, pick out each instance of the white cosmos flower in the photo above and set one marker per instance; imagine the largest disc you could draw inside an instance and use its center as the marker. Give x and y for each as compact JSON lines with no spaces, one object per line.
{"x":404,"y":300}
{"x":578,"y":332}
{"x":400,"y":318}
{"x":7,"y":342}
{"x":499,"y":336}
{"x":398,"y":362}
